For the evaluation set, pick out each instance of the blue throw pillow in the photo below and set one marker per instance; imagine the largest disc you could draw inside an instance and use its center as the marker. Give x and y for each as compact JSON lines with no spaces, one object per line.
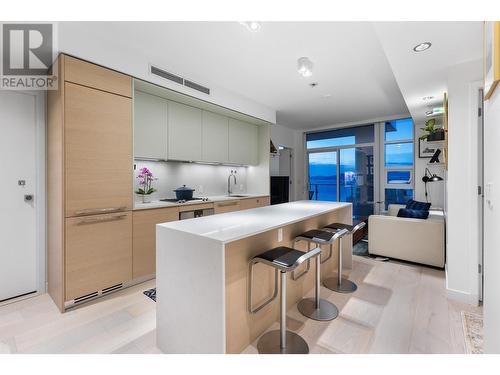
{"x":416,"y":205}
{"x":413,"y":214}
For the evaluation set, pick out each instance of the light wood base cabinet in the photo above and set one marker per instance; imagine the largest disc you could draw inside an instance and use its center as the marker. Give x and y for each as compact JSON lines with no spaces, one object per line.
{"x":248,"y":203}
{"x":222,"y":207}
{"x":144,"y":238}
{"x":98,"y":253}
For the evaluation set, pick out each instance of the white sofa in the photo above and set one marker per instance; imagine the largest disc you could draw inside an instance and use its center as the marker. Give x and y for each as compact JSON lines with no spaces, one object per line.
{"x":415,"y":240}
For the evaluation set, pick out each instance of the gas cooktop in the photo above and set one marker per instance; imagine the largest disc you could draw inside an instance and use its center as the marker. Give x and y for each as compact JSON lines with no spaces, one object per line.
{"x":175,"y":200}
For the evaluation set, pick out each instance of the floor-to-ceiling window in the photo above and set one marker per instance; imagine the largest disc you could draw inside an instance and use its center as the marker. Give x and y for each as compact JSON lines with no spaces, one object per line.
{"x":364,"y":165}
{"x":341,"y":166}
{"x":397,"y":171}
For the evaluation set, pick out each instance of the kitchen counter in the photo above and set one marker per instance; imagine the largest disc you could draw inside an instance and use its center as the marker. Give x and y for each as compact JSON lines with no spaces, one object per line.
{"x":202,"y":273}
{"x":236,"y":225}
{"x":217,"y":198}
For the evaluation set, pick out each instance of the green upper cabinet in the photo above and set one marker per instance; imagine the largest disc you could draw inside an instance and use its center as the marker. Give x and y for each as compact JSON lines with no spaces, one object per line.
{"x":215,"y":137}
{"x":150,"y":126}
{"x":184,"y":132}
{"x":168,"y":130}
{"x":243,"y":142}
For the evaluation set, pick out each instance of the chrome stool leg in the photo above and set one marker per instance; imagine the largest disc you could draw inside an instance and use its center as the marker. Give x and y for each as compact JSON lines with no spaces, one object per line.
{"x":340,"y":284}
{"x":317,"y":308}
{"x":282,"y":341}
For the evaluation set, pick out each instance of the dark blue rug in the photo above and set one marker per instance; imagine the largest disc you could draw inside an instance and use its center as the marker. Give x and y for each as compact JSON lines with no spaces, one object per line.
{"x":151,"y":293}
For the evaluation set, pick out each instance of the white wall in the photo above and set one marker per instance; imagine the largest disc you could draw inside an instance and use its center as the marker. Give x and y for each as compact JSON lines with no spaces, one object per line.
{"x":492,"y":224}
{"x":462,"y":179}
{"x":258,"y":181}
{"x":435,"y":190}
{"x":89,"y":43}
{"x":293,"y":139}
{"x":208,"y":180}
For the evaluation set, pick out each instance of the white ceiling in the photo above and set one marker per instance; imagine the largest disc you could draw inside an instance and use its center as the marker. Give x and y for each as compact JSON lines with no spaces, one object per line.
{"x":425,"y":73}
{"x":349,"y":64}
{"x":368,"y":69}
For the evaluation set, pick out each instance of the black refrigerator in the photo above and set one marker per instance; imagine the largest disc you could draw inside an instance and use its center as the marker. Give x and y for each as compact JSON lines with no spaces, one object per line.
{"x":280,"y":189}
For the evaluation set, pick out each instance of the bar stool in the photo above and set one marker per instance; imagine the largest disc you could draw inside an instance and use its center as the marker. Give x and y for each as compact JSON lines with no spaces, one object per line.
{"x":317,"y":308}
{"x":284,"y":260}
{"x":340,"y":284}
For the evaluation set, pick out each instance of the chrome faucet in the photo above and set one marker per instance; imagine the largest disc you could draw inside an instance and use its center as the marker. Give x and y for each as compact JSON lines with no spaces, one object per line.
{"x":233,"y":174}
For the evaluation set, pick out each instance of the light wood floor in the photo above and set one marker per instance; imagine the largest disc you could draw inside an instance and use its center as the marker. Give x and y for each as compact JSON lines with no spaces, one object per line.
{"x":398,"y":308}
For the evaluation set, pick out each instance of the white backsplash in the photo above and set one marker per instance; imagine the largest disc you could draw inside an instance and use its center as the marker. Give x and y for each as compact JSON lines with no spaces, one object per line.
{"x":208,"y":180}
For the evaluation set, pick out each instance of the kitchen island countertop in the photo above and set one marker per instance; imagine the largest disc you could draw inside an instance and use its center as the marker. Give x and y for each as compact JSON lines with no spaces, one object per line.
{"x":233,"y":226}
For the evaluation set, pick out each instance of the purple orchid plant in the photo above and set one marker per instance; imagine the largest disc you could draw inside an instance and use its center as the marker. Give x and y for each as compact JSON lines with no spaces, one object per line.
{"x":146,"y":179}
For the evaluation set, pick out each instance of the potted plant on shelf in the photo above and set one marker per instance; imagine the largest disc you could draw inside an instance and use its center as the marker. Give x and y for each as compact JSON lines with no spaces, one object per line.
{"x":146,"y":188}
{"x":433,"y":134}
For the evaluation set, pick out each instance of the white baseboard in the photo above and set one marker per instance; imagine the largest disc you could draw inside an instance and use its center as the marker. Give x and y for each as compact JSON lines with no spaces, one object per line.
{"x":460,"y":295}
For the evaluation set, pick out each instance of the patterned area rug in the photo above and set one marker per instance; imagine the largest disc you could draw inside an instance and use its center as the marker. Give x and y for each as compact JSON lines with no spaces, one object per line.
{"x":151,"y":293}
{"x":361,"y":249}
{"x":473,"y":332}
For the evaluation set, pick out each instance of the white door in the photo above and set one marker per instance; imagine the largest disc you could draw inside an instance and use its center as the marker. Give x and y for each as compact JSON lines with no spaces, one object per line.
{"x":18,"y":257}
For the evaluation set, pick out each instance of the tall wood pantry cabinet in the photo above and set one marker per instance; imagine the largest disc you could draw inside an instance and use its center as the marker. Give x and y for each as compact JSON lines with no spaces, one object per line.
{"x":90,"y":182}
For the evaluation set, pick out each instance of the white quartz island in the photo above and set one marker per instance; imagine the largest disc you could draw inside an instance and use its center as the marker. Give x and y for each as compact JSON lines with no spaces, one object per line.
{"x":201,"y":267}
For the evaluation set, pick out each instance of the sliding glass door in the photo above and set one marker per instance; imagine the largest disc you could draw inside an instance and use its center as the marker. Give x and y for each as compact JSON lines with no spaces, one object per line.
{"x":341,"y":167}
{"x":371,"y":166}
{"x":323,"y":176}
{"x":357,"y":179}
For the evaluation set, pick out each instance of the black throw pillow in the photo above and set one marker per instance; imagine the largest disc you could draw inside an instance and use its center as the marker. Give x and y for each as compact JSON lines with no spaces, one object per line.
{"x":413,"y":214}
{"x":416,"y":205}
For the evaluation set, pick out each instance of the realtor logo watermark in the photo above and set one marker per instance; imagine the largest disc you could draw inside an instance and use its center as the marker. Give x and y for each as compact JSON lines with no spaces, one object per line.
{"x":27,"y":56}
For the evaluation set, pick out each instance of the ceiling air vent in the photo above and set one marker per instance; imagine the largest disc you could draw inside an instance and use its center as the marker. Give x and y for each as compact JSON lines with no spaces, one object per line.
{"x":164,"y":74}
{"x":195,"y":86}
{"x":181,"y":81}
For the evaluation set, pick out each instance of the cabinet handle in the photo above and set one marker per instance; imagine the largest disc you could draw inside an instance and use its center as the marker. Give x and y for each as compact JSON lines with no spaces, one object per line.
{"x":234,"y":203}
{"x":94,"y":211}
{"x":98,"y":219}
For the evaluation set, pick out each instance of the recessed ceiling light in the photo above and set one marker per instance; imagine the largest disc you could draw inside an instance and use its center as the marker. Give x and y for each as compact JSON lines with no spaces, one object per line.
{"x":252,"y":26}
{"x":313,"y":84}
{"x":305,"y":66}
{"x":326,"y":96}
{"x":426,"y":98}
{"x":422,"y":46}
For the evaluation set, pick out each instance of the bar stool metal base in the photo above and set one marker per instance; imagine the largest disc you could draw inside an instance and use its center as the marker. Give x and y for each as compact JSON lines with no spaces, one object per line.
{"x":346,"y":286}
{"x":269,"y":343}
{"x":326,"y":311}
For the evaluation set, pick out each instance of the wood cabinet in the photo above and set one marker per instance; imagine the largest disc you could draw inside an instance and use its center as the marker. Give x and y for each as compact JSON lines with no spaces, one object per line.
{"x":98,"y":77}
{"x":229,"y":206}
{"x":214,"y":137}
{"x":248,"y":203}
{"x":144,"y":238}
{"x":243,"y":142}
{"x":150,"y":126}
{"x":98,"y":253}
{"x":98,"y":150}
{"x":89,"y":168}
{"x":264,"y":201}
{"x":184,"y":132}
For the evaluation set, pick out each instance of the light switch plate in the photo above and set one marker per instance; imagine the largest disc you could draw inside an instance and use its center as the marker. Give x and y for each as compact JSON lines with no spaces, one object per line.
{"x":280,"y":234}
